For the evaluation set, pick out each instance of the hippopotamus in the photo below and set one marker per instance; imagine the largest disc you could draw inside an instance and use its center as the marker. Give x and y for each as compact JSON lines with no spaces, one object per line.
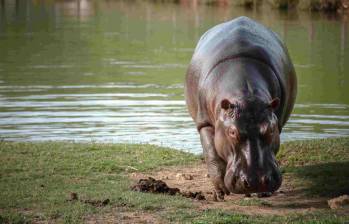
{"x":240,"y":89}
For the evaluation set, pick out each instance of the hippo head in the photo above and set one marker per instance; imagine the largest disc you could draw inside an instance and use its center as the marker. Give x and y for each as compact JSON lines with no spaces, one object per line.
{"x":247,"y":137}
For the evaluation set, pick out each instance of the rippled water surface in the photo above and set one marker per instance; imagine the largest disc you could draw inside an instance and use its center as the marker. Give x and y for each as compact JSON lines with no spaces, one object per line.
{"x":114,"y":70}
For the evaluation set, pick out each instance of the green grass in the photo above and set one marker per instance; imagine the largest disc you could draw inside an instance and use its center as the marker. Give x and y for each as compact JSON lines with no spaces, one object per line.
{"x":219,"y":216}
{"x":310,"y":152}
{"x":252,"y":202}
{"x":37,"y":178}
{"x":319,"y":167}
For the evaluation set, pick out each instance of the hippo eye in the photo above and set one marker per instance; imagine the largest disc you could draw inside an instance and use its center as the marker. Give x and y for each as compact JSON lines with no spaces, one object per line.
{"x":263,"y":129}
{"x":233,"y":133}
{"x":267,"y":132}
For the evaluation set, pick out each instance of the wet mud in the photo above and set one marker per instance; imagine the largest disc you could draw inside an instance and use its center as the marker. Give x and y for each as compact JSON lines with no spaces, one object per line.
{"x":152,"y":185}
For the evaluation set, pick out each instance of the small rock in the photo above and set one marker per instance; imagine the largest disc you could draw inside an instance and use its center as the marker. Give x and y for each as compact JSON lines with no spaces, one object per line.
{"x":339,"y":202}
{"x":208,"y":175}
{"x":248,"y":195}
{"x":183,"y":176}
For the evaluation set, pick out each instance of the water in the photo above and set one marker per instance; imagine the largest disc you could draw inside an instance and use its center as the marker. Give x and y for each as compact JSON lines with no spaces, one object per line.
{"x":113,"y":70}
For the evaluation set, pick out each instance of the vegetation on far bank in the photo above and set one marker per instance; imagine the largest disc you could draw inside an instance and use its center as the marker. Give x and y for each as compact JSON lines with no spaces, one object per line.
{"x":313,"y":5}
{"x":37,"y":178}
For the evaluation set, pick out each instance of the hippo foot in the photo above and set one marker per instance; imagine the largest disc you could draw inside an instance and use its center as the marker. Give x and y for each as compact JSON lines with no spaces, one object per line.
{"x":219,"y":193}
{"x":218,"y":196}
{"x":264,"y":194}
{"x":219,"y":188}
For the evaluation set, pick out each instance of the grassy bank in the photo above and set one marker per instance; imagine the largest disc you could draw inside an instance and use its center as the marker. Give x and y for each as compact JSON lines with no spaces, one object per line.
{"x":36,"y":180}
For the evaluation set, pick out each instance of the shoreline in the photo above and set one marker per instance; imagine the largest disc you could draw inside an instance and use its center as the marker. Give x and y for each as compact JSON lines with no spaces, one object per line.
{"x":38,"y":178}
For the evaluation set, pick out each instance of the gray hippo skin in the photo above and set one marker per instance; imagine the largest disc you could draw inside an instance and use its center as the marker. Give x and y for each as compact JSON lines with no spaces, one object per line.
{"x":240,"y":90}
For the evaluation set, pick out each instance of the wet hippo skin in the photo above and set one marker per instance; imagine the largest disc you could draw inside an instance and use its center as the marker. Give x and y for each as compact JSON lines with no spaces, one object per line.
{"x":240,"y":90}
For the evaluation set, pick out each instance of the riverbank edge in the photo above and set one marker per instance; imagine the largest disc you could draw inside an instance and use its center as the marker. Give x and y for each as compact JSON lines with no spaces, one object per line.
{"x":38,"y":178}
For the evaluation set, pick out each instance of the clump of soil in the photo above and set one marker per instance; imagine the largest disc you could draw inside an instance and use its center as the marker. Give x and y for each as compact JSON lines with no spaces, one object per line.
{"x":154,"y":186}
{"x":97,"y":203}
{"x":196,"y":195}
{"x":158,"y":186}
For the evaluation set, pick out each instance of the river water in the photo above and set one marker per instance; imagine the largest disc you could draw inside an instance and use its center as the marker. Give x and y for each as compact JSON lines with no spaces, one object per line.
{"x":113,"y":71}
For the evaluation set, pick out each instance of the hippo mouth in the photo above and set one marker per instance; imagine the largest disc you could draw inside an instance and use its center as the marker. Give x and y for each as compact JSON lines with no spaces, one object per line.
{"x":253,"y":181}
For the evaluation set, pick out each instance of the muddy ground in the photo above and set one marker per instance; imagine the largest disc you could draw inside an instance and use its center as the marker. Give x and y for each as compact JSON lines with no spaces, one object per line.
{"x":180,"y":180}
{"x":287,"y":199}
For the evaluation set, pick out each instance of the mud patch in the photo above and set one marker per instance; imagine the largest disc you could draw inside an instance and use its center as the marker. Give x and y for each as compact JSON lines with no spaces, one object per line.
{"x":288,"y":199}
{"x":152,"y":185}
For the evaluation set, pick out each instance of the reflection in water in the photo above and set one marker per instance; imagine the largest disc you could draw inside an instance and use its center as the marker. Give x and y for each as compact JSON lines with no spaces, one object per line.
{"x":81,"y":9}
{"x":134,"y":117}
{"x":113,"y":70}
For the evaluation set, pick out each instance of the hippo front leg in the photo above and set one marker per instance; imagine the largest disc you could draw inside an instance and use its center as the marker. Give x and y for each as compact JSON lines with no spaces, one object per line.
{"x":216,"y":166}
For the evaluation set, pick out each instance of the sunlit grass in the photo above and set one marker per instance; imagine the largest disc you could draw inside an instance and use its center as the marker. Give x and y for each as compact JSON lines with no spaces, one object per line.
{"x":37,"y":179}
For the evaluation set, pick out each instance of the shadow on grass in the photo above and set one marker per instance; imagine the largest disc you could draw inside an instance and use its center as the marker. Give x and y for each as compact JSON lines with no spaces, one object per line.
{"x":327,"y":179}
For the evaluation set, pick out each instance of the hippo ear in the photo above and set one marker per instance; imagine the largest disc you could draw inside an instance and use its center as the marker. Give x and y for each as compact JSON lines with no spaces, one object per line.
{"x":274,"y":103}
{"x":225,"y":104}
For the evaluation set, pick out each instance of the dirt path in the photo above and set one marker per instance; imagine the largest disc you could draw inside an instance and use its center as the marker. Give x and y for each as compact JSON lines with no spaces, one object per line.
{"x":194,"y":178}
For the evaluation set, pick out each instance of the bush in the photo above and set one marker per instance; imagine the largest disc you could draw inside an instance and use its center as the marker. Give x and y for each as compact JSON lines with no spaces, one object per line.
{"x":315,"y":5}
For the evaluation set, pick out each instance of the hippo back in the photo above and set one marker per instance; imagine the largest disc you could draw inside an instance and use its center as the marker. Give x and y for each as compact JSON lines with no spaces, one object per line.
{"x":242,"y":37}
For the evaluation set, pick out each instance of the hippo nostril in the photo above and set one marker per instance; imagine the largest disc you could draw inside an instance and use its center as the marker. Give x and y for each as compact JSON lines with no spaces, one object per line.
{"x":265,"y":180}
{"x":246,"y":184}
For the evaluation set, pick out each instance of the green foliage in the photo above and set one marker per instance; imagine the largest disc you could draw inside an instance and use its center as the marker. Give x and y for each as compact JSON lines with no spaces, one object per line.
{"x":315,"y":5}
